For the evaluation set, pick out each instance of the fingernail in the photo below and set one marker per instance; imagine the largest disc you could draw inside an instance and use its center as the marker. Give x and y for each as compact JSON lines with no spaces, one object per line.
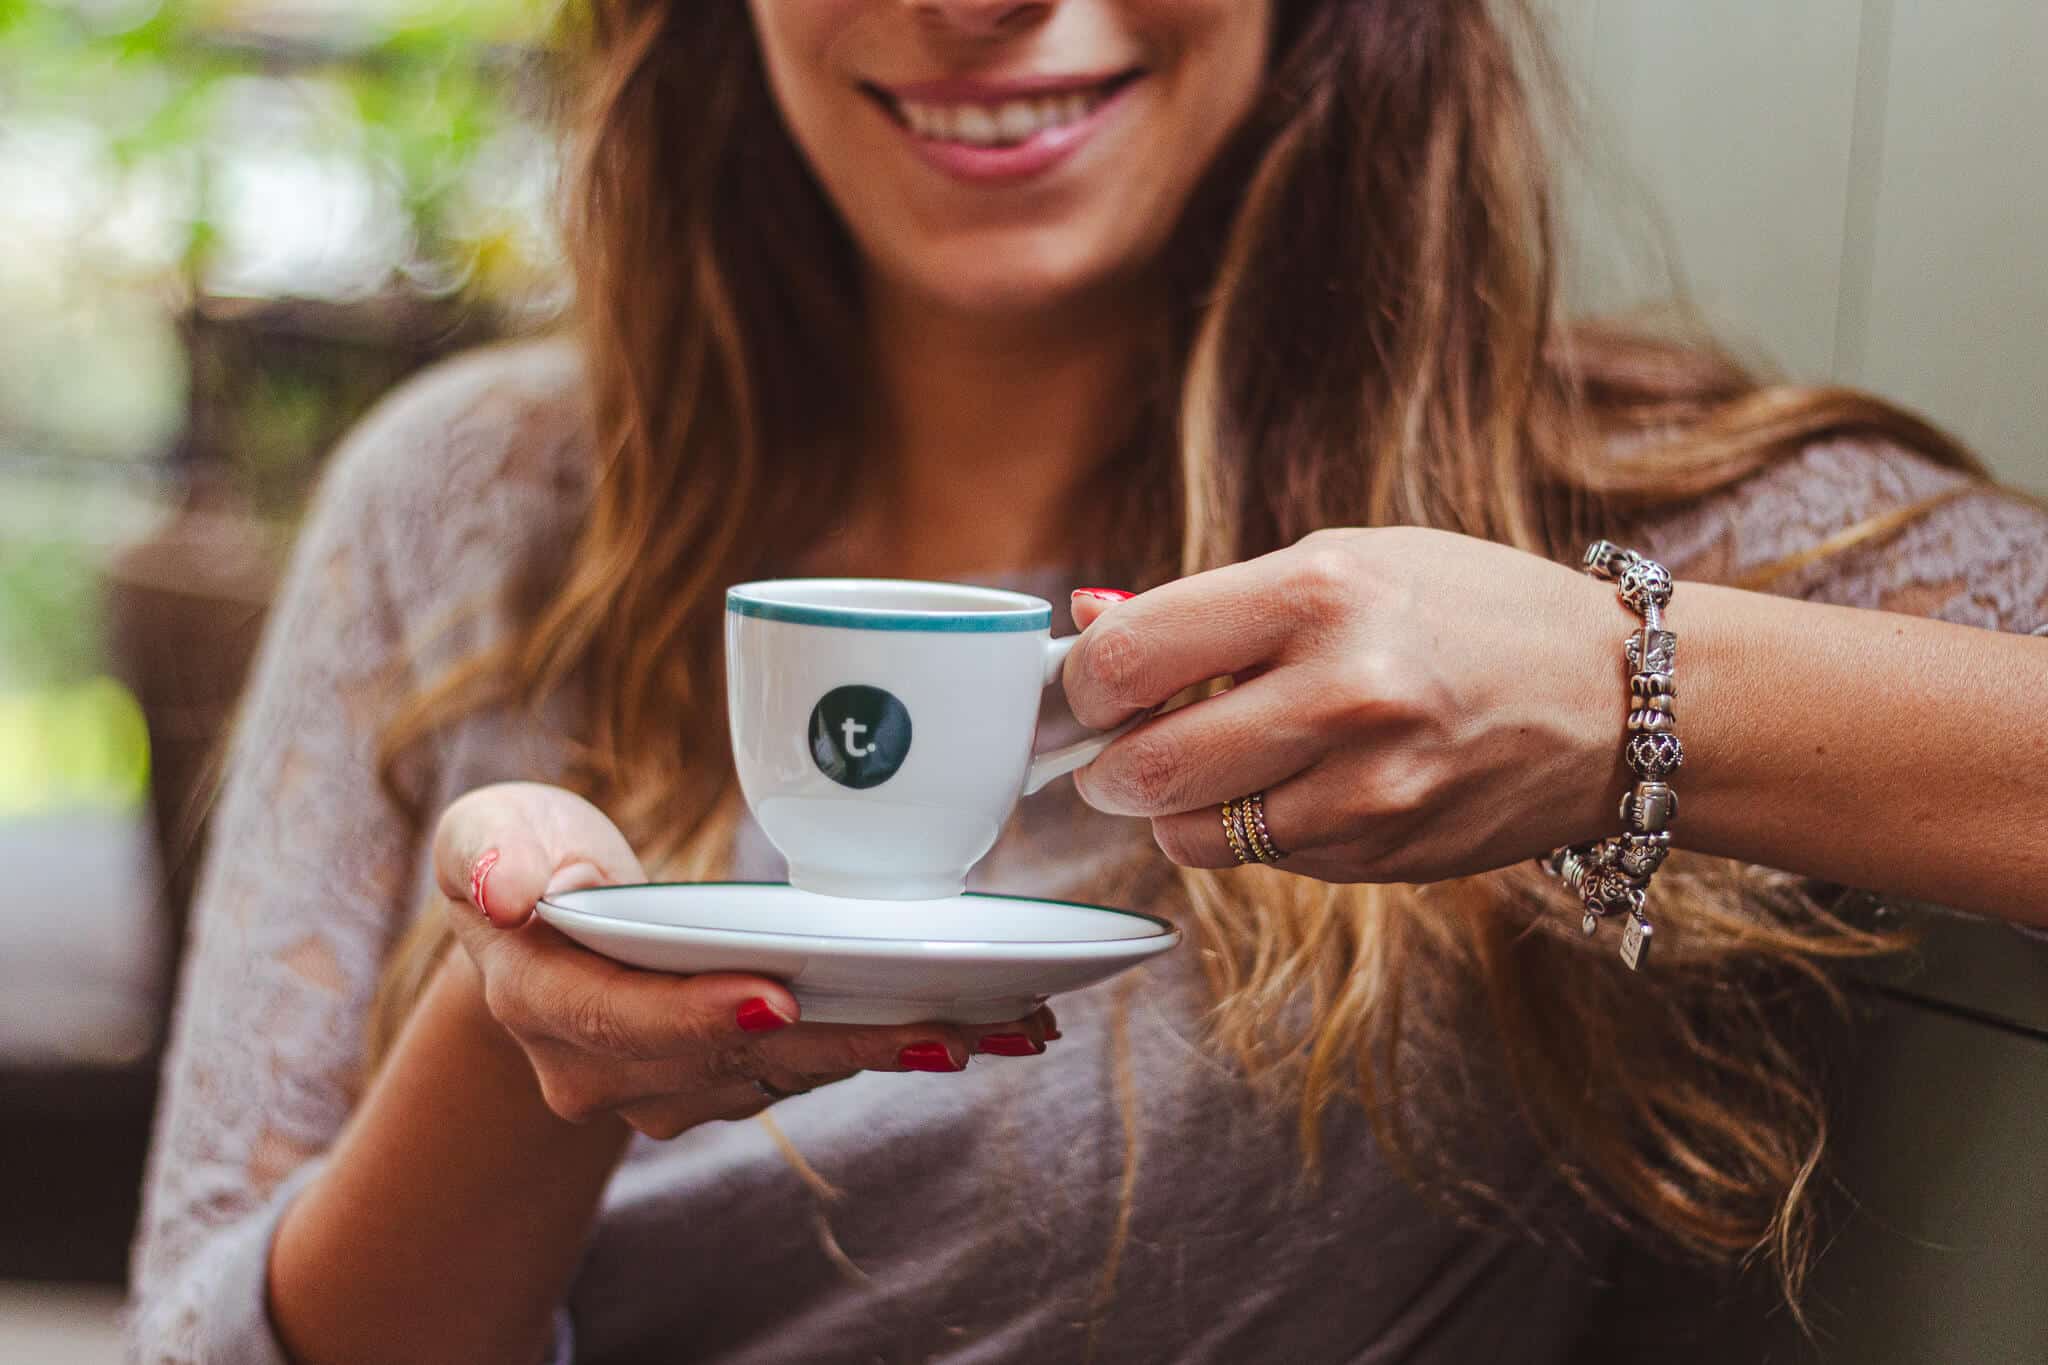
{"x":927,"y":1057}
{"x":758,"y":1016}
{"x":1052,"y":1033}
{"x":1104,"y":594}
{"x":478,"y":874}
{"x":1010,"y":1045}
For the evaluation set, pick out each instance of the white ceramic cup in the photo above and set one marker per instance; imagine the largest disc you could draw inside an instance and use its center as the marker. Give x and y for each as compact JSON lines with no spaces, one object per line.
{"x":883,"y":730}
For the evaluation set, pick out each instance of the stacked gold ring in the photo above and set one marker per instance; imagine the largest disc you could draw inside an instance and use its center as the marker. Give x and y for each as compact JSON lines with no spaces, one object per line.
{"x":1244,"y":825}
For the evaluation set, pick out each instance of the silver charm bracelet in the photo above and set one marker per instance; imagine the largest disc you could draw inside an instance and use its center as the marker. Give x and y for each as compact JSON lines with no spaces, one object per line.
{"x":1613,"y":875}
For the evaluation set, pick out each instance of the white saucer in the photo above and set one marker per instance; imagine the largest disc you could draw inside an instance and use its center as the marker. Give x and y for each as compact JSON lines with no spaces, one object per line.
{"x":971,"y":959}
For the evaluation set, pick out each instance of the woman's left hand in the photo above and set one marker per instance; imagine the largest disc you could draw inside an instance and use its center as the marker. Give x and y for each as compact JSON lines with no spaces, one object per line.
{"x":1415,"y":705}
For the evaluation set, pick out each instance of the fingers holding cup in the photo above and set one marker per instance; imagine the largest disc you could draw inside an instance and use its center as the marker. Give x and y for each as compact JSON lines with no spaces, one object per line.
{"x":1247,"y":738}
{"x":1319,"y":823}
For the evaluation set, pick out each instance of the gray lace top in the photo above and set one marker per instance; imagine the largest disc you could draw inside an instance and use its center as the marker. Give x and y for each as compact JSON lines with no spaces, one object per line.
{"x":976,"y":1211}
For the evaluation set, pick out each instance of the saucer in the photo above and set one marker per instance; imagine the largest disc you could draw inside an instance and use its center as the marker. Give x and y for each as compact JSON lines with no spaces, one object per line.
{"x":971,"y":958}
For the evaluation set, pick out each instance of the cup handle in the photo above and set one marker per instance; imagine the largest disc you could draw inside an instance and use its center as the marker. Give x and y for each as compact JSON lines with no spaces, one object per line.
{"x":1063,"y":760}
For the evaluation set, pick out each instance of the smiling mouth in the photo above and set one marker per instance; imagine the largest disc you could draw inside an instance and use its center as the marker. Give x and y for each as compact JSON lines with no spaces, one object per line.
{"x":999,"y":121}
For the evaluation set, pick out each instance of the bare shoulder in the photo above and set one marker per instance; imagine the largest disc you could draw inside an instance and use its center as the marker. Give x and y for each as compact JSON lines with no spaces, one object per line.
{"x":1869,"y":524}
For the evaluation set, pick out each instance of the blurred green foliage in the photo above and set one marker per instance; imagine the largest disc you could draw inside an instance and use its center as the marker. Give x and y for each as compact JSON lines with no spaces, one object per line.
{"x":414,"y":89}
{"x":49,"y":615}
{"x":158,"y":154}
{"x":154,"y":154}
{"x":70,"y":737}
{"x":80,"y":746}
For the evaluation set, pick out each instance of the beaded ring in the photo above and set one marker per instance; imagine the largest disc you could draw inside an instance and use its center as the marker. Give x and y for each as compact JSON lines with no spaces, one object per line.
{"x":1244,"y":825}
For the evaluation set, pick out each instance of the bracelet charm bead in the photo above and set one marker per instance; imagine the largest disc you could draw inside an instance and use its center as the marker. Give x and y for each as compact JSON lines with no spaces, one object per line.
{"x":1650,"y":808}
{"x":1640,"y":855}
{"x":1654,"y":756}
{"x":1612,"y":876}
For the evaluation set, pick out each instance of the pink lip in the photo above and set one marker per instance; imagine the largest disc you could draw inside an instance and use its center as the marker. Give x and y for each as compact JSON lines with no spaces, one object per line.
{"x":970,"y":90}
{"x":1021,"y":161}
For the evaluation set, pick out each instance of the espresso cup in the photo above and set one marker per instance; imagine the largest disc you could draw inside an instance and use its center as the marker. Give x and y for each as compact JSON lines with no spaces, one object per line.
{"x":884,"y":730}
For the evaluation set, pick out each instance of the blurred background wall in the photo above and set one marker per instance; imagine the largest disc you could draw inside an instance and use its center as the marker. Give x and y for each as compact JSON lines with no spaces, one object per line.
{"x":1853,"y":189}
{"x":226,"y":225}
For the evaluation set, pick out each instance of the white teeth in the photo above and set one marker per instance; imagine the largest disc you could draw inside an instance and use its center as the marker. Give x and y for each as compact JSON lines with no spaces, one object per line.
{"x":1007,"y":124}
{"x":1018,"y":120}
{"x":972,"y":123}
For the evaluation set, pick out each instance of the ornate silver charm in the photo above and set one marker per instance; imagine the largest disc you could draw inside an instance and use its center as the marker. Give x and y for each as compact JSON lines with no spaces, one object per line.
{"x":1611,"y":891}
{"x":1635,"y":942}
{"x":1652,"y":685}
{"x":1658,"y":658}
{"x":1654,"y":756}
{"x":1651,"y":807}
{"x":1640,"y":855}
{"x":1646,"y":586}
{"x":1605,"y":559}
{"x":1590,"y":924}
{"x":1651,"y":706}
{"x":1595,"y":889}
{"x":1568,"y":865}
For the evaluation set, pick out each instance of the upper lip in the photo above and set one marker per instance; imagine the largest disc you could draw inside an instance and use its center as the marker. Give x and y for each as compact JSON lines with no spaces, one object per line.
{"x":985,"y":90}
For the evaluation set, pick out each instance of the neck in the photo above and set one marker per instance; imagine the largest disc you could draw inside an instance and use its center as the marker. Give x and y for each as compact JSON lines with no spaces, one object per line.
{"x":985,"y":432}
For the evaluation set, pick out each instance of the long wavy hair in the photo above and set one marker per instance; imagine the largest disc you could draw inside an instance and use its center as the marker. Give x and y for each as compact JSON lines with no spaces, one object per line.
{"x":1364,"y":329}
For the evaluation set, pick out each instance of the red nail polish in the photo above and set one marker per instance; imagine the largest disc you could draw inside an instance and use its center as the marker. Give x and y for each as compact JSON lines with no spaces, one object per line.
{"x":758,"y":1016}
{"x":478,"y":874}
{"x":927,"y":1057}
{"x":1104,"y":594}
{"x":1010,"y":1045}
{"x":1052,"y":1033}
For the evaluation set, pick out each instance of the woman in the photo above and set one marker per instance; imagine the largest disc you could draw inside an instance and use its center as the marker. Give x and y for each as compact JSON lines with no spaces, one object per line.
{"x":1076,"y":291}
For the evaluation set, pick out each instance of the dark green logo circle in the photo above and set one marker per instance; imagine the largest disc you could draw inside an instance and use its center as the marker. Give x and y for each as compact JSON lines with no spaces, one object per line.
{"x":859,"y":736}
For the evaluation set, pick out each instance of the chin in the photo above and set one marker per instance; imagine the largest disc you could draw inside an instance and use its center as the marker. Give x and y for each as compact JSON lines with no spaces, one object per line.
{"x":1008,"y":276}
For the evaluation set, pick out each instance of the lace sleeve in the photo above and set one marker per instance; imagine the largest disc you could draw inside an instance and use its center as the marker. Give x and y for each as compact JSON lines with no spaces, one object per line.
{"x":312,"y":869}
{"x":1873,"y":526}
{"x":308,"y":871}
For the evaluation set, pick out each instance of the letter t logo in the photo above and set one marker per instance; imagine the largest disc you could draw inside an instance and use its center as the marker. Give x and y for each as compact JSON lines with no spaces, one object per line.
{"x":859,"y":735}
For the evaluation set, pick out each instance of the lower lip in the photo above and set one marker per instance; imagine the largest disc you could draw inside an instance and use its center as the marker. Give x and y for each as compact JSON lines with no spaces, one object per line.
{"x":1021,"y":161}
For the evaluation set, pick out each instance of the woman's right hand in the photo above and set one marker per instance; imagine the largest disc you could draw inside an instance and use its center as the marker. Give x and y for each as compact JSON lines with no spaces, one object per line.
{"x":663,"y":1052}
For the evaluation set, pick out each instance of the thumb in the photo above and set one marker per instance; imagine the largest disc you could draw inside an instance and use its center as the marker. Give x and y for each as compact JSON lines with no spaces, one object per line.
{"x":501,"y":848}
{"x":1090,"y":603}
{"x":487,"y":854}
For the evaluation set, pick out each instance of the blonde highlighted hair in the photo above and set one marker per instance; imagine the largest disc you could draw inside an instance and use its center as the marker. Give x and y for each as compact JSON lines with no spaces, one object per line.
{"x":1365,"y":331}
